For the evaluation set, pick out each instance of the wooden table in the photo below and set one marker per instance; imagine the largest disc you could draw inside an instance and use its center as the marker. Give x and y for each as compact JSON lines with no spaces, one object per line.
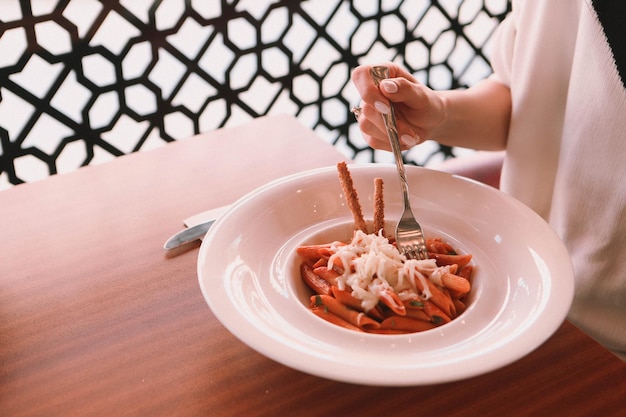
{"x":97,"y":320}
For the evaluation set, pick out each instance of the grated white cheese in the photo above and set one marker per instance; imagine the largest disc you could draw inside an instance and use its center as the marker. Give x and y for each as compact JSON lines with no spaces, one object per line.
{"x":373,"y":265}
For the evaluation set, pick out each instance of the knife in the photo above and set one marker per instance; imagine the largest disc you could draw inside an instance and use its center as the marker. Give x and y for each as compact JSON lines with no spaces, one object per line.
{"x":199,"y":225}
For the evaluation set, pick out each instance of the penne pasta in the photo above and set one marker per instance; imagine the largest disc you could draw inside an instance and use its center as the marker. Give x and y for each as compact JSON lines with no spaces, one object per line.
{"x":418,"y":315}
{"x":406,"y":324}
{"x":317,"y":251}
{"x":455,"y":283}
{"x":352,"y":316}
{"x":334,"y":319}
{"x":450,"y":259}
{"x":391,"y":314}
{"x":436,"y":314}
{"x":326,"y":274}
{"x":389,"y":298}
{"x":437,"y":245}
{"x":315,"y":282}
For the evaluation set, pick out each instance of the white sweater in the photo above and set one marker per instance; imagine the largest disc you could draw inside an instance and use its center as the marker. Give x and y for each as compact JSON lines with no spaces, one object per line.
{"x":566,"y":151}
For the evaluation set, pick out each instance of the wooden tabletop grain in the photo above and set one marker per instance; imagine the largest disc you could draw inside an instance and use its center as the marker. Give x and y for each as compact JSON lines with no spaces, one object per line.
{"x":97,"y":320}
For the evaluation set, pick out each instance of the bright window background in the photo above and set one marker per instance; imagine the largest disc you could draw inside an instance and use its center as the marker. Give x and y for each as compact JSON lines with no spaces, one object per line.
{"x":87,"y":81}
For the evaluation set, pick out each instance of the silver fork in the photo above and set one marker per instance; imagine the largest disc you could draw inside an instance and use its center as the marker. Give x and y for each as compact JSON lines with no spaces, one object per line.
{"x":409,"y":235}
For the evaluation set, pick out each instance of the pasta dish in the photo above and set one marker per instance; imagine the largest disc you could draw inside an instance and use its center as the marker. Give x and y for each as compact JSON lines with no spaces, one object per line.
{"x":367,"y":285}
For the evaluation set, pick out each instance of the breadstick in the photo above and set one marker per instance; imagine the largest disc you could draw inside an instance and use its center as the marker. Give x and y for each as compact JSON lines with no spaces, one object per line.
{"x":379,"y":206}
{"x":351,"y":196}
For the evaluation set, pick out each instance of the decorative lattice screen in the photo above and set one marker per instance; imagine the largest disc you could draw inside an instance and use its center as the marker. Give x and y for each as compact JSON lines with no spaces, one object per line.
{"x":84,"y":81}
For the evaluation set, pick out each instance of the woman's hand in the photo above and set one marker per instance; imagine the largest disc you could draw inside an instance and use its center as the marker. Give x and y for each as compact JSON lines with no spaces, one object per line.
{"x":477,"y":117}
{"x":418,"y":109}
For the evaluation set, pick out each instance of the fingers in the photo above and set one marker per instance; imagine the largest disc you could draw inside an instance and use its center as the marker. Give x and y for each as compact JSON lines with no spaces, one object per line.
{"x":370,"y":93}
{"x":373,"y":128}
{"x":374,"y":131}
{"x":416,"y":107}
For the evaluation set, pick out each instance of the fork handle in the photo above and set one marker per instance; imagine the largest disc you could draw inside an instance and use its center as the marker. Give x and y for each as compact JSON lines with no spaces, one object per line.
{"x":380,"y":73}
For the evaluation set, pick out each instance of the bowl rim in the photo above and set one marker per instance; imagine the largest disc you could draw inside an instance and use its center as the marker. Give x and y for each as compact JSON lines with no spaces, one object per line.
{"x":298,"y":361}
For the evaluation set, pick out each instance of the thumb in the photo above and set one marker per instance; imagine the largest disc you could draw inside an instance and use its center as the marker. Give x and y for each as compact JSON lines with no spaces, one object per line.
{"x":389,"y":86}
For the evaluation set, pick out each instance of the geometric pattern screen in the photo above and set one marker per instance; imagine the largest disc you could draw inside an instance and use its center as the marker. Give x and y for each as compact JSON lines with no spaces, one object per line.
{"x":85,"y":81}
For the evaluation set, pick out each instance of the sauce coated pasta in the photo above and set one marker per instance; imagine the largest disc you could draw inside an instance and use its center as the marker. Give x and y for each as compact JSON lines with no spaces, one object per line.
{"x":367,"y":285}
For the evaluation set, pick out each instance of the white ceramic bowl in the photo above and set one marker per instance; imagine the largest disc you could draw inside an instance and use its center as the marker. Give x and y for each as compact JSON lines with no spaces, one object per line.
{"x":249,"y":275}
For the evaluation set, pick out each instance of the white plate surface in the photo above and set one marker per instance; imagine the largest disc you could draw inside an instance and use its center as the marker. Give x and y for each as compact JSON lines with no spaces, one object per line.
{"x":523,"y":282}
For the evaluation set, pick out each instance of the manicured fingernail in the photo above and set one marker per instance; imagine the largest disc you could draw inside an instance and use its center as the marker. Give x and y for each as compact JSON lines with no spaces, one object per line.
{"x":409,"y":140}
{"x":382,"y":107}
{"x":389,"y":86}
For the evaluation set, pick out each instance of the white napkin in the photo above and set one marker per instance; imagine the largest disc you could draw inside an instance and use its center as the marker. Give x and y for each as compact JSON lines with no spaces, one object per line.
{"x":205,"y":215}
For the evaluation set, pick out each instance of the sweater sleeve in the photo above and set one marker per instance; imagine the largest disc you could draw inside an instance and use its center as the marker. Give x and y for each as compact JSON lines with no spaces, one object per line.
{"x":502,"y":50}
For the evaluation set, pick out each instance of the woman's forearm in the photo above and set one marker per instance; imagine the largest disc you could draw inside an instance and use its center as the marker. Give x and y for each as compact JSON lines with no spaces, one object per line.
{"x":477,"y":117}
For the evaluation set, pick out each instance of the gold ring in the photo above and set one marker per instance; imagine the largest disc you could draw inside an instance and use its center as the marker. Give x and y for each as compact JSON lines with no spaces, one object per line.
{"x":356,"y":110}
